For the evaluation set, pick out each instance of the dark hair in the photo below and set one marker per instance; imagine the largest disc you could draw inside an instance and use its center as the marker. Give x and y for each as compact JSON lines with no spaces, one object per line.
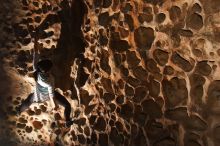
{"x":44,"y":65}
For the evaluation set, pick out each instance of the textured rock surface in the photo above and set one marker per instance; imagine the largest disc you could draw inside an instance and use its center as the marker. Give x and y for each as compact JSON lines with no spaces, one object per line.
{"x":136,"y":72}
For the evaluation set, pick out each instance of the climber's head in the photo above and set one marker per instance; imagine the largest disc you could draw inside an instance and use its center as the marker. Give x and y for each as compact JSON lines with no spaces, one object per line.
{"x":45,"y":65}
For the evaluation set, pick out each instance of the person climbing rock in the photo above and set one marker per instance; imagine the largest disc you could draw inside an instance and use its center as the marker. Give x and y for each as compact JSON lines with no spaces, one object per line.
{"x":44,"y":89}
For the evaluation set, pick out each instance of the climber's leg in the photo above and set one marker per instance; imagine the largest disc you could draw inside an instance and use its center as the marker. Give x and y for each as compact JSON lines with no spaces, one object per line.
{"x":26,"y":103}
{"x":60,"y":99}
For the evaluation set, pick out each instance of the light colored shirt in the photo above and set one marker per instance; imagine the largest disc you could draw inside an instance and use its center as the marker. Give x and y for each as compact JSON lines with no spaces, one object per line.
{"x":44,"y":89}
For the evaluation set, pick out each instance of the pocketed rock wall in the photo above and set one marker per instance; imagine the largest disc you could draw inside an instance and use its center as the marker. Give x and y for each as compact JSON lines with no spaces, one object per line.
{"x":149,"y":74}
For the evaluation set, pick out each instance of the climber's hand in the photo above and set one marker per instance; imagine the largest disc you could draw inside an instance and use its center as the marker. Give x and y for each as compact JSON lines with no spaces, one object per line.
{"x":37,"y":46}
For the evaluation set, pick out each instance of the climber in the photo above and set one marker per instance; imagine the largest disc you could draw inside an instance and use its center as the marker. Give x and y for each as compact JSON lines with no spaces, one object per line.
{"x":44,"y":89}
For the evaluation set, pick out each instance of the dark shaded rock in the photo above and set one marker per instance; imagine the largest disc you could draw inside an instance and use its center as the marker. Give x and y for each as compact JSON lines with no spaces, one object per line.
{"x":37,"y":124}
{"x":166,"y":142}
{"x":185,"y":33}
{"x":85,"y":97}
{"x":140,"y":73}
{"x":203,"y":68}
{"x":119,"y":45}
{"x":129,"y":91}
{"x":174,"y":91}
{"x":82,"y":75}
{"x":111,"y":123}
{"x":120,"y":99}
{"x":132,"y":81}
{"x":38,"y":111}
{"x":123,"y":32}
{"x":213,"y":95}
{"x":49,"y":7}
{"x":20,"y":125}
{"x":196,"y":123}
{"x":115,"y":4}
{"x":103,"y":40}
{"x":196,"y":8}
{"x":145,"y":17}
{"x":160,"y":18}
{"x":155,"y":2}
{"x":123,"y":57}
{"x":191,"y":143}
{"x":132,"y":59}
{"x":100,"y":125}
{"x":178,"y":114}
{"x":74,"y":137}
{"x":151,"y":65}
{"x":89,"y":109}
{"x":115,"y":137}
{"x":104,"y":19}
{"x":103,"y":139}
{"x":196,"y":91}
{"x":148,"y":9}
{"x":194,"y":21}
{"x":22,"y":120}
{"x":43,"y":108}
{"x":176,"y":39}
{"x":92,"y":119}
{"x":121,"y":83}
{"x":214,"y":90}
{"x":117,"y":59}
{"x":37,"y":19}
{"x":134,"y":130}
{"x":127,"y":110}
{"x":124,"y":71}
{"x":119,"y":126}
{"x":81,"y":139}
{"x":104,"y":61}
{"x":175,"y":13}
{"x":112,"y":107}
{"x":216,"y":133}
{"x":30,"y":112}
{"x":108,"y":97}
{"x":24,"y":2}
{"x":140,"y":93}
{"x":28,"y":129}
{"x":153,"y":129}
{"x":94,"y":138}
{"x":22,"y":57}
{"x":88,"y":64}
{"x":87,"y":131}
{"x":98,"y":3}
{"x":144,"y":37}
{"x":151,"y":108}
{"x":181,"y":62}
{"x":168,"y":70}
{"x":197,"y":52}
{"x":129,"y":20}
{"x":20,"y":31}
{"x":116,"y":17}
{"x":80,"y":122}
{"x":140,"y":139}
{"x":107,"y":3}
{"x":128,"y":7}
{"x":107,"y":84}
{"x":140,"y":118}
{"x":154,"y":88}
{"x":161,"y":56}
{"x":44,"y":8}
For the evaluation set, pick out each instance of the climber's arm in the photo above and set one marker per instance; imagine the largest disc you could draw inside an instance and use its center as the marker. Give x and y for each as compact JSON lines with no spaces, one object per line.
{"x":36,"y":53}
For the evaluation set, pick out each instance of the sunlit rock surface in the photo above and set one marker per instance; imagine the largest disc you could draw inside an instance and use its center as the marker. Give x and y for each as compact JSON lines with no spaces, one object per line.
{"x":136,"y":72}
